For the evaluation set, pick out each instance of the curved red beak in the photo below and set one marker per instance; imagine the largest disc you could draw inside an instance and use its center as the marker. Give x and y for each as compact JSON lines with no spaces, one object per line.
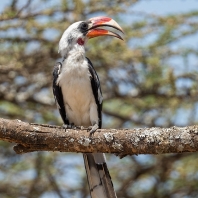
{"x":96,"y":22}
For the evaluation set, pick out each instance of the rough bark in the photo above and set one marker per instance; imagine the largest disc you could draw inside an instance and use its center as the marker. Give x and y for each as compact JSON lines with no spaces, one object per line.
{"x":34,"y":137}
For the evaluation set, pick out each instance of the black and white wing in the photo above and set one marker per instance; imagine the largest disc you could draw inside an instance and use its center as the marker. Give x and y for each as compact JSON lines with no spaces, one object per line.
{"x":98,"y":176}
{"x":95,"y":84}
{"x":58,"y":93}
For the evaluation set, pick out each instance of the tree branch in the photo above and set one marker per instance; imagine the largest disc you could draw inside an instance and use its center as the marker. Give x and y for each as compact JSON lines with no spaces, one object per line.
{"x":35,"y":137}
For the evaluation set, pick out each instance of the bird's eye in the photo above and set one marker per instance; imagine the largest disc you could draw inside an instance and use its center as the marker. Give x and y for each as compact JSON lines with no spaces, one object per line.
{"x":84,"y":26}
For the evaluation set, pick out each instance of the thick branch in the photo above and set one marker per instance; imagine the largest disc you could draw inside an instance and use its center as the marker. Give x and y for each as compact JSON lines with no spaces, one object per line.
{"x":34,"y":137}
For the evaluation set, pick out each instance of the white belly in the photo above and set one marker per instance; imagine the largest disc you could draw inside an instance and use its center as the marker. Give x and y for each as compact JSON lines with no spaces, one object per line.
{"x":79,"y":101}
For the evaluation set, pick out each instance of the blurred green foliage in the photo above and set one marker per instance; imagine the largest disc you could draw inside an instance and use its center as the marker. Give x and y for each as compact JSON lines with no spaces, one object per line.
{"x":148,"y":80}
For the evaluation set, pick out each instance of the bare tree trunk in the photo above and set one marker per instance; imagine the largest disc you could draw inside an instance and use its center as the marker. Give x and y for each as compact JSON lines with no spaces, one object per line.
{"x":35,"y":137}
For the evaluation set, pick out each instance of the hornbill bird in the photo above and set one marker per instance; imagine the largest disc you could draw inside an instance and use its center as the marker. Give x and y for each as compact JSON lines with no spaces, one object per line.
{"x":78,"y":96}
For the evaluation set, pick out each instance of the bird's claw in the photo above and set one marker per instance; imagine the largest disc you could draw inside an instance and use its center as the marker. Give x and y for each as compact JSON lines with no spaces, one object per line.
{"x":69,"y":126}
{"x":92,"y":129}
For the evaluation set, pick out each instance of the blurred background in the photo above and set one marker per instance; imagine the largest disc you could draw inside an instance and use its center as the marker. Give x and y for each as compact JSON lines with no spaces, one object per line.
{"x":149,"y":80}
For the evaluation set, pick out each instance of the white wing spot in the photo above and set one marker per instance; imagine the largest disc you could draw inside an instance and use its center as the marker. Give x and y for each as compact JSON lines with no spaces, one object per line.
{"x":100,"y":98}
{"x":58,"y":106}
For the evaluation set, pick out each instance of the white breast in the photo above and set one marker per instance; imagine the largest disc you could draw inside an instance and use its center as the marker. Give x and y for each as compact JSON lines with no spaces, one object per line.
{"x":74,"y":80}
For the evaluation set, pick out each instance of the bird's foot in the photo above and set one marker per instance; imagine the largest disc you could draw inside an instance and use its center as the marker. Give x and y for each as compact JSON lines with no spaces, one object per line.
{"x":69,"y":126}
{"x":92,"y":129}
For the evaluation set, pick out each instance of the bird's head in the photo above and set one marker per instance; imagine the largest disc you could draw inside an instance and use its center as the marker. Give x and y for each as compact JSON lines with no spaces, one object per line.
{"x":78,"y":33}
